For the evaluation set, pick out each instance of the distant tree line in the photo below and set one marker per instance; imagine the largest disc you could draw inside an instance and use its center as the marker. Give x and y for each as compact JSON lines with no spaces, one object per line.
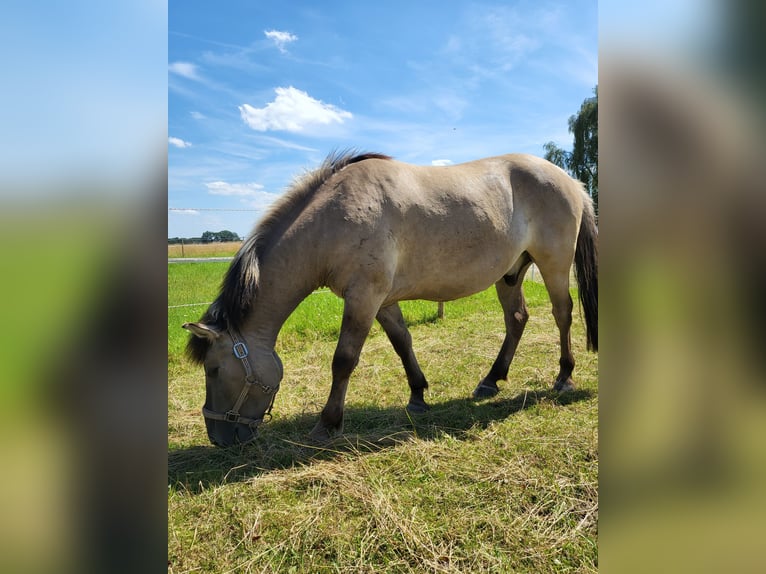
{"x":207,"y":237}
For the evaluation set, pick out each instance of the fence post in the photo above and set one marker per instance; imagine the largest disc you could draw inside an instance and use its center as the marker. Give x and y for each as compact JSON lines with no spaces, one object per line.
{"x":440,"y":310}
{"x":182,"y":248}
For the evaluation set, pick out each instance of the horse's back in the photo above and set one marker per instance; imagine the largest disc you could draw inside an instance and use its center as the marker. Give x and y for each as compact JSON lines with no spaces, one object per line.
{"x":485,"y":184}
{"x":497,"y":199}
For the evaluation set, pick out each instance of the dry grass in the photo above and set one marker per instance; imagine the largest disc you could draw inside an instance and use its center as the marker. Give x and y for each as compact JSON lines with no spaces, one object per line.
{"x":504,"y":485}
{"x":204,"y":249}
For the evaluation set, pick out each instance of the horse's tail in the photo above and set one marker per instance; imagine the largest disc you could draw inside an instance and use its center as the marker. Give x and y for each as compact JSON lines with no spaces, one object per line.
{"x":586,"y":271}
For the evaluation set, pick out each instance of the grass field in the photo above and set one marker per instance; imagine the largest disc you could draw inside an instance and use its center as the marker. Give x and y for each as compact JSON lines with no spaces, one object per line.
{"x":504,"y":485}
{"x":226,"y":249}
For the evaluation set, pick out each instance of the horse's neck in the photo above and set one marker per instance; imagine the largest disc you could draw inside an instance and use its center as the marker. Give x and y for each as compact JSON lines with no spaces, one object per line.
{"x":286,"y":277}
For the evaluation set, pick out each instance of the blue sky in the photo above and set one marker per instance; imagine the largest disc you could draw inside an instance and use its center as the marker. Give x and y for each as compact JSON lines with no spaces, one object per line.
{"x":83,"y":97}
{"x":260,"y":91}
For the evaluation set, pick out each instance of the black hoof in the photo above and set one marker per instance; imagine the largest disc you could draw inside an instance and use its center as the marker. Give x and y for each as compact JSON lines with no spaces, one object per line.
{"x":564,"y":386}
{"x":484,"y":392}
{"x":418,"y":408}
{"x":323,"y":435}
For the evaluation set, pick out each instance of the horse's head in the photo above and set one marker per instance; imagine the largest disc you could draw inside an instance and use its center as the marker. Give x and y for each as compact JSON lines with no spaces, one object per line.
{"x":240,"y":383}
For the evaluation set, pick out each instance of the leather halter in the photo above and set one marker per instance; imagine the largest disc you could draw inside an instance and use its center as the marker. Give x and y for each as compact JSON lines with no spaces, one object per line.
{"x":241,"y":352}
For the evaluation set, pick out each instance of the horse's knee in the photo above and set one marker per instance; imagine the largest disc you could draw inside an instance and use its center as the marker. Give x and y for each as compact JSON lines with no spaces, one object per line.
{"x":343,"y":363}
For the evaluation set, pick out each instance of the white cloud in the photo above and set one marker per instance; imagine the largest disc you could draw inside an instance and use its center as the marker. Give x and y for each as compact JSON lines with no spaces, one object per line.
{"x":292,"y":110}
{"x":198,"y":116}
{"x":178,"y":142}
{"x":261,"y":201}
{"x":280,"y":39}
{"x":185,"y":69}
{"x":184,"y":212}
{"x":271,"y":140}
{"x":441,"y":162}
{"x":251,"y":195}
{"x":239,"y":189}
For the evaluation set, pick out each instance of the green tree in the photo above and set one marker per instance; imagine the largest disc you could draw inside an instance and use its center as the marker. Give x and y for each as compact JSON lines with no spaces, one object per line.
{"x":219,"y":236}
{"x":227,"y":235}
{"x":582,"y":161}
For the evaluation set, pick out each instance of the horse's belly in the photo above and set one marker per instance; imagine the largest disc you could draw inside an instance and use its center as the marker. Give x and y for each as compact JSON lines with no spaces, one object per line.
{"x":448,"y":290}
{"x":444,"y":275}
{"x":444,"y":250}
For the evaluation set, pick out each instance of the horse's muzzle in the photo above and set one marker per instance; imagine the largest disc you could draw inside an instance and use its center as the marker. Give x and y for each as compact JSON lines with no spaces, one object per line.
{"x":225,"y":434}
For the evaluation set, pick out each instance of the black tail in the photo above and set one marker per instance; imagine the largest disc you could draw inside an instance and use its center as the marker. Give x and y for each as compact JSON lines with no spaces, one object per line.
{"x":586,"y":271}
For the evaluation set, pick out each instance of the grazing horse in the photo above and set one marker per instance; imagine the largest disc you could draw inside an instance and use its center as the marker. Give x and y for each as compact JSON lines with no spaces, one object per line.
{"x":377,"y":231}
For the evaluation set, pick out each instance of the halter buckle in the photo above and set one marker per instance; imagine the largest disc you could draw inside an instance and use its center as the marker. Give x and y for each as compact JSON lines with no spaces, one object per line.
{"x":231,"y":417}
{"x":240,"y":350}
{"x":268,"y":390}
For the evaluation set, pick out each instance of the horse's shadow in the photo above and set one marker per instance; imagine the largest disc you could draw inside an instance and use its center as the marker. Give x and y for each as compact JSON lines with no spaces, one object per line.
{"x":283,"y":443}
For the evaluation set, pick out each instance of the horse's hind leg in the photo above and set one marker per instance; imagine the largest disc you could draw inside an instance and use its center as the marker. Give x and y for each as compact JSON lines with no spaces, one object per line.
{"x":511,"y":296}
{"x":392,"y":321}
{"x":557,"y":284}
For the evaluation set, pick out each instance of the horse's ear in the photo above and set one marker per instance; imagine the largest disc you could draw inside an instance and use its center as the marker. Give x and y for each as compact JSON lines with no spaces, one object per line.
{"x":202,"y":331}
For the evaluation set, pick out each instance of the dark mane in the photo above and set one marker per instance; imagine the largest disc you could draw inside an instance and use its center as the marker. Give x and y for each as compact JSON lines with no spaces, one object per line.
{"x":240,"y":284}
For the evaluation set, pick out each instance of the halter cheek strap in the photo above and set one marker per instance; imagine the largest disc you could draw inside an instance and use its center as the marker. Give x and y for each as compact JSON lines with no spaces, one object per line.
{"x":232,"y":416}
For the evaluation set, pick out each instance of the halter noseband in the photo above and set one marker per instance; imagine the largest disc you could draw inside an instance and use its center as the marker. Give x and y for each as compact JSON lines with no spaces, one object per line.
{"x":240,"y":351}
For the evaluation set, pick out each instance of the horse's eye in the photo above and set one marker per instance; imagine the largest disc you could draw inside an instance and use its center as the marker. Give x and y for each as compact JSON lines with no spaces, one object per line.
{"x":212,"y":372}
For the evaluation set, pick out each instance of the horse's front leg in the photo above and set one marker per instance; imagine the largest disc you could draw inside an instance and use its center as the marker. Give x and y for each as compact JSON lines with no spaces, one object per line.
{"x":356,"y":324}
{"x":392,"y":321}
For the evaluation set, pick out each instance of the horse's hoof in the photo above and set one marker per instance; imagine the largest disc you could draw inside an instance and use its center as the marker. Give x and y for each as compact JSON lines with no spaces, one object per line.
{"x":564,"y":386}
{"x":418,"y":408}
{"x":322,"y":434}
{"x":484,"y":391}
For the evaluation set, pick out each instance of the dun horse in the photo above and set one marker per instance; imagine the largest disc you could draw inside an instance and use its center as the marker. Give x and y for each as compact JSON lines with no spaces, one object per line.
{"x":377,"y":231}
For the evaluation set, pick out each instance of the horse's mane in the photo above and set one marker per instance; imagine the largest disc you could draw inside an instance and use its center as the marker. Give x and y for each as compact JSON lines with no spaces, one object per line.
{"x":240,"y":284}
